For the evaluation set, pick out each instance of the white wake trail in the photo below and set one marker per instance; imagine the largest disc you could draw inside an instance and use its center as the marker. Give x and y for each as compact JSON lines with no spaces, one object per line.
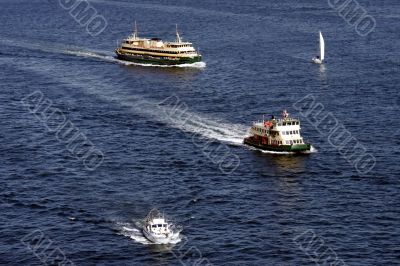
{"x":166,"y":112}
{"x":106,"y":56}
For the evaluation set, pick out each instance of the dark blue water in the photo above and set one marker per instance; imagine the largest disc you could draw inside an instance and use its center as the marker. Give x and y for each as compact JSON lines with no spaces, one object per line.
{"x":257,"y":57}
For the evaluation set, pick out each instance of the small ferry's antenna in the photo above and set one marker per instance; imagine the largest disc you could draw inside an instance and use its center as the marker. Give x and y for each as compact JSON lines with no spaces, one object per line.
{"x":178,"y":38}
{"x":135,"y":34}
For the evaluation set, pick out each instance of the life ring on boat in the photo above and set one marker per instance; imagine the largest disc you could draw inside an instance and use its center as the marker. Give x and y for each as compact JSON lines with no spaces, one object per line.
{"x":267,"y":123}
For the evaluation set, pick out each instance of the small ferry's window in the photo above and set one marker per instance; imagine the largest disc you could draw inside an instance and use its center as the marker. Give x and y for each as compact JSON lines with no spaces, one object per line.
{"x":154,"y":226}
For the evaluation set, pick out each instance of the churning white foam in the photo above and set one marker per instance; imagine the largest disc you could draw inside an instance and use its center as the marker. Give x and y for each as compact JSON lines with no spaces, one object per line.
{"x":134,"y":231}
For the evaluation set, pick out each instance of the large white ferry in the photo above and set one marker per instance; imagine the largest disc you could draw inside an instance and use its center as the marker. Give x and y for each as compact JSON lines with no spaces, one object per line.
{"x":280,"y":135}
{"x":156,"y":51}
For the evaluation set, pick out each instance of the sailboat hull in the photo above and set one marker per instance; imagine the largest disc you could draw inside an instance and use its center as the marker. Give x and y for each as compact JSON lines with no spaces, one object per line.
{"x":317,"y":61}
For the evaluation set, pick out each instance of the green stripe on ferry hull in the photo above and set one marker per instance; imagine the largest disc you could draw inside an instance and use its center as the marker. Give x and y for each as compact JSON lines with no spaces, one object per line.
{"x":285,"y":148}
{"x":155,"y":61}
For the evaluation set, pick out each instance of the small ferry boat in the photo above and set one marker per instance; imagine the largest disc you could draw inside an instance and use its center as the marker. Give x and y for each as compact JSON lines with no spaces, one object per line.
{"x":158,"y":230}
{"x":279,"y":135}
{"x":155,"y":51}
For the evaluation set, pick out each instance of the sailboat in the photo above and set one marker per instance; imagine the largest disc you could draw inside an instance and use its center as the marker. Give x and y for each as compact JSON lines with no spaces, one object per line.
{"x":320,"y":59}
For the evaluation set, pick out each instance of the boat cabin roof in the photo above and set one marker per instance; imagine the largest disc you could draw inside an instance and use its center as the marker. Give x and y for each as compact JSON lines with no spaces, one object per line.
{"x":279,"y":122}
{"x":180,"y":43}
{"x":158,"y":221}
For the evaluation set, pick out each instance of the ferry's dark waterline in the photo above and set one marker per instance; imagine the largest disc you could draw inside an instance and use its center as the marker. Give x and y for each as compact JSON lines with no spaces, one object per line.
{"x":258,"y":61}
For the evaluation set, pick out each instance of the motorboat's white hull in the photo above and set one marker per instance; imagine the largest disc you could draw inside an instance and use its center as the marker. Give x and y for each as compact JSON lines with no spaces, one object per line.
{"x":160,"y":239}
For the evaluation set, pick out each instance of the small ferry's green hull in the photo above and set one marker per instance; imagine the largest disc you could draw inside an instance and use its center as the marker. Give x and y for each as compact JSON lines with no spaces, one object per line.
{"x":298,"y":148}
{"x":157,"y":61}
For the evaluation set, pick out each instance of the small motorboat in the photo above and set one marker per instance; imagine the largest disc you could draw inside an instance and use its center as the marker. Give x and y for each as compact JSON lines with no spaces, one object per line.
{"x":158,"y":230}
{"x":320,"y":59}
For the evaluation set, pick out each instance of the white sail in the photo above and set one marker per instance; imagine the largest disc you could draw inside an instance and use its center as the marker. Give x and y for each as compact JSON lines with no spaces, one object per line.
{"x":321,"y":47}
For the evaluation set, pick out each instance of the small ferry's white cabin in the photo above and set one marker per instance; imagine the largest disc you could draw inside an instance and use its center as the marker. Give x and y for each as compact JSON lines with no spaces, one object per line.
{"x":278,"y":131}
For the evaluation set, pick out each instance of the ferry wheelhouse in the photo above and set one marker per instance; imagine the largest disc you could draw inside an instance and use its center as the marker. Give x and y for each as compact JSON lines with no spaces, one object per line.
{"x":156,"y":51}
{"x":280,"y":135}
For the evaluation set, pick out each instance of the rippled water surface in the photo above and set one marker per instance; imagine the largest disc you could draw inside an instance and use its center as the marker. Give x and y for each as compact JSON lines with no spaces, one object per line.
{"x":257,"y":61}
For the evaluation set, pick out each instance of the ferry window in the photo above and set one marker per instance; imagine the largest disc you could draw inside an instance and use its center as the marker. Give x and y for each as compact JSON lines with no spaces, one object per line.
{"x":154,"y":226}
